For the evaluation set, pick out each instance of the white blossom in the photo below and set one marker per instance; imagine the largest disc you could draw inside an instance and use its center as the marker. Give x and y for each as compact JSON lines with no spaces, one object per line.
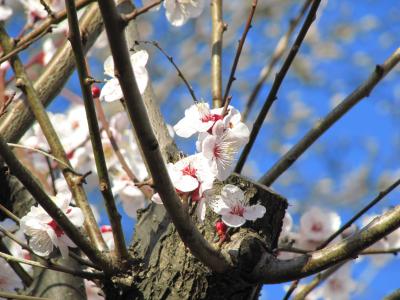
{"x":178,"y":12}
{"x":111,"y":91}
{"x":339,"y":285}
{"x":130,"y":195}
{"x":192,"y":175}
{"x":106,"y":232}
{"x":316,"y":224}
{"x":44,"y":232}
{"x":5,"y":12}
{"x":232,"y":206}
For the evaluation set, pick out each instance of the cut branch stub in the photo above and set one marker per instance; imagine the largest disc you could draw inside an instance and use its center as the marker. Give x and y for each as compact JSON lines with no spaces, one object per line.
{"x":169,"y":271}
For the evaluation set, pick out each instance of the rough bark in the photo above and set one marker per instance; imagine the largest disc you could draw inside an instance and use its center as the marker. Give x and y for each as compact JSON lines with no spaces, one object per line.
{"x":169,"y":271}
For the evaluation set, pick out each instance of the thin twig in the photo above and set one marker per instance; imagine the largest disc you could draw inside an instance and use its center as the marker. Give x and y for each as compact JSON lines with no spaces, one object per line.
{"x":272,"y":270}
{"x":104,"y":180}
{"x":393,"y":251}
{"x":44,"y":153}
{"x":280,"y":76}
{"x":280,"y":49}
{"x":75,"y":185}
{"x":8,"y":295}
{"x":217,"y":30}
{"x":171,"y":60}
{"x":149,"y":145}
{"x":291,"y":289}
{"x":44,"y":28}
{"x":323,"y":125}
{"x":52,"y":176}
{"x":378,"y":198}
{"x":106,"y":126}
{"x":232,"y":78}
{"x":33,"y":186}
{"x":50,"y":266}
{"x":9,"y":214}
{"x":316,"y":281}
{"x":137,"y":12}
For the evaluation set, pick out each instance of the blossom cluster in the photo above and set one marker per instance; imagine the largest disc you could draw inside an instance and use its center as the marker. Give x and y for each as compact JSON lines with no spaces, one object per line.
{"x":220,"y":136}
{"x":315,"y":226}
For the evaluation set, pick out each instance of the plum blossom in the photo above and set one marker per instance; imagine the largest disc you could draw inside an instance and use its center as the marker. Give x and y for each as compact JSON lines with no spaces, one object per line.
{"x":316,"y":225}
{"x":178,"y":12}
{"x":199,"y":118}
{"x":106,"y":232}
{"x":9,"y":281}
{"x":232,"y":206}
{"x":220,"y":151}
{"x":43,"y":231}
{"x":339,"y":285}
{"x":111,"y":91}
{"x":191,"y":175}
{"x":130,"y":195}
{"x":5,"y":12}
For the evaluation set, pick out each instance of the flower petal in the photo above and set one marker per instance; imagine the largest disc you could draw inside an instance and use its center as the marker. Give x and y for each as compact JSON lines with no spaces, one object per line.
{"x":233,"y":220}
{"x":254,"y":212}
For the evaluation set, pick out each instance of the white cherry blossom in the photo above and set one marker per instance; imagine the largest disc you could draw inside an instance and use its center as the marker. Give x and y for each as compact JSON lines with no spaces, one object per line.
{"x":192,"y":175}
{"x":232,"y":206}
{"x":199,"y":118}
{"x":316,"y":224}
{"x":93,"y":292}
{"x":339,"y":285}
{"x":220,"y":151}
{"x":111,"y":91}
{"x":178,"y":12}
{"x":5,"y":12}
{"x":106,"y":232}
{"x":130,"y":195}
{"x":44,"y":233}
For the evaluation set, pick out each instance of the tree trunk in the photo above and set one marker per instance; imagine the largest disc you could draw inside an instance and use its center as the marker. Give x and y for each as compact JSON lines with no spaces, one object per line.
{"x":169,"y":271}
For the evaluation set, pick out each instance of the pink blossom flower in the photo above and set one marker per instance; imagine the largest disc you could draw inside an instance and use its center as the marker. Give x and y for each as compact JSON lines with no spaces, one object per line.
{"x":190,"y":175}
{"x":199,"y":118}
{"x":338,"y":286}
{"x":316,"y":224}
{"x":5,"y":12}
{"x":178,"y":12}
{"x":106,"y":232}
{"x":130,"y":195}
{"x":220,"y":152}
{"x":111,"y":91}
{"x":43,"y":231}
{"x":232,"y":206}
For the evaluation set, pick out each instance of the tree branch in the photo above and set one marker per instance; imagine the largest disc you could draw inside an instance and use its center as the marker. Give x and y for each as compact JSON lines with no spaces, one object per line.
{"x":378,"y":198}
{"x":41,"y":30}
{"x":19,"y":118}
{"x":137,"y":111}
{"x":171,"y":60}
{"x":339,"y":111}
{"x":54,"y":142}
{"x":33,"y":186}
{"x":317,"y":280}
{"x":276,"y":55}
{"x":272,"y":96}
{"x":83,"y":274}
{"x":218,"y":28}
{"x":272,"y":270}
{"x":104,"y":180}
{"x":232,"y":78}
